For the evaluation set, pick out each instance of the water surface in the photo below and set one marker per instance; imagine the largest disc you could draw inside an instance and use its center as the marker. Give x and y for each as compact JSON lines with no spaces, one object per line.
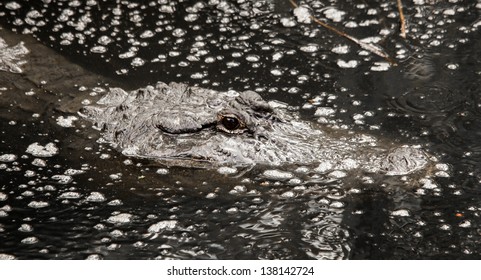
{"x":80,"y":198}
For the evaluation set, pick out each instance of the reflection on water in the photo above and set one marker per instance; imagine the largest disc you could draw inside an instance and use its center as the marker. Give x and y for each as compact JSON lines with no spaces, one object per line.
{"x":63,"y":194}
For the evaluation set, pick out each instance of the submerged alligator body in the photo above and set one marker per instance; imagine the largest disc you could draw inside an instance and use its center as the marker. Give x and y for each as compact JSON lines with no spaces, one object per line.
{"x":191,"y":126}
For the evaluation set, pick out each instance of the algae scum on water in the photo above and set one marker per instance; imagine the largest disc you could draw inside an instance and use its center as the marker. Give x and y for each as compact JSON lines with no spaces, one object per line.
{"x":68,"y":192}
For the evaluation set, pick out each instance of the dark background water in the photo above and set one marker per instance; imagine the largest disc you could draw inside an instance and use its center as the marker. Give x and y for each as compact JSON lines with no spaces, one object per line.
{"x":114,"y":207}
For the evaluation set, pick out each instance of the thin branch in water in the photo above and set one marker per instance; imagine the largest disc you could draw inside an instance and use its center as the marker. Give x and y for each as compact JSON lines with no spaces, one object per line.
{"x":401,"y":19}
{"x":367,"y":46}
{"x":293,"y":3}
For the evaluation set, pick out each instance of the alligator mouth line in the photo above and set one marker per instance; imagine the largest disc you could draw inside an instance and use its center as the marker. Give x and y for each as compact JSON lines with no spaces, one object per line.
{"x":189,"y":158}
{"x":185,"y":130}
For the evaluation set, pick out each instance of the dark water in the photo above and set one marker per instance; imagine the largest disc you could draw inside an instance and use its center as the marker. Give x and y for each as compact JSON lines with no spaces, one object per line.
{"x":86,"y":200}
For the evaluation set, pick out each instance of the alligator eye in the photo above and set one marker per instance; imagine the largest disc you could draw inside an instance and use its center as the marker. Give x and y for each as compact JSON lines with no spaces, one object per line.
{"x":230,"y":123}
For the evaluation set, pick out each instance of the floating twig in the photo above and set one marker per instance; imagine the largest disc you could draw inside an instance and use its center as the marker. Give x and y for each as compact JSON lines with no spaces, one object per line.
{"x":367,"y":46}
{"x":401,"y":19}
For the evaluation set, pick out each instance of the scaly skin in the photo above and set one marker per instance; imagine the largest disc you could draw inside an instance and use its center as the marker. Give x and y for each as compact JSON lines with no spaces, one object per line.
{"x":192,"y":126}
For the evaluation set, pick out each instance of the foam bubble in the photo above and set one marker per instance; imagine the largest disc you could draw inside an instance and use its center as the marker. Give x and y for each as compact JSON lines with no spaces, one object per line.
{"x":38,"y":150}
{"x":163,"y":225}
{"x":122,"y":218}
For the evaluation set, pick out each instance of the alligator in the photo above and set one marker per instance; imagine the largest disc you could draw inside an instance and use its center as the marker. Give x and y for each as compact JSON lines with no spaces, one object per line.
{"x":193,"y":126}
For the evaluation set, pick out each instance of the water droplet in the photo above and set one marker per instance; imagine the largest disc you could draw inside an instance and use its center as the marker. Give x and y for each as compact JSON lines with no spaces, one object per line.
{"x":227,"y":170}
{"x":70,"y":195}
{"x":37,"y":150}
{"x":337,"y":204}
{"x":445,"y":227}
{"x":277,"y":174}
{"x":288,"y":194}
{"x":380,"y":66}
{"x":347,"y":64}
{"x":25,"y":228}
{"x":310,"y":48}
{"x":303,"y":14}
{"x":401,"y":213}
{"x":163,"y":225}
{"x":465,"y":224}
{"x":252,"y":58}
{"x":137,"y":62}
{"x":334,"y":14}
{"x":104,"y":40}
{"x":38,"y":204}
{"x":66,"y":121}
{"x":62,"y":179}
{"x":324,"y":112}
{"x":122,"y":218}
{"x":30,"y":240}
{"x":147,"y":34}
{"x":276,"y":72}
{"x":337,"y":174}
{"x":162,"y":171}
{"x":94,"y":257}
{"x":6,"y":257}
{"x":96,"y":197}
{"x":288,"y":22}
{"x":211,"y":195}
{"x":13,"y":5}
{"x":178,"y":32}
{"x":8,"y":158}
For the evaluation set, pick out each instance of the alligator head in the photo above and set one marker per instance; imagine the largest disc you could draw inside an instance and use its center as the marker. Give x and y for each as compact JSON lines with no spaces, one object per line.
{"x":188,"y":126}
